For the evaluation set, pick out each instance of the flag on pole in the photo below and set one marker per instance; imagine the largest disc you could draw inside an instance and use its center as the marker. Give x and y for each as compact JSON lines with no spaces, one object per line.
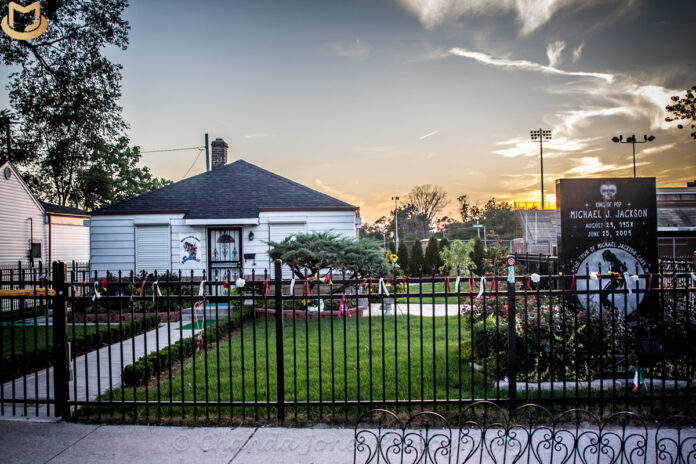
{"x":638,"y":379}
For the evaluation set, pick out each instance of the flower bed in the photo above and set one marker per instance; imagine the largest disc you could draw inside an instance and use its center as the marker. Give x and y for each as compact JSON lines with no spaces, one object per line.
{"x":79,"y":317}
{"x":261,"y":313}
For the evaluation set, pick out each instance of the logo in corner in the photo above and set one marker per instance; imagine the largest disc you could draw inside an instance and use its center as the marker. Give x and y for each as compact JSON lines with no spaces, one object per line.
{"x":32,"y":30}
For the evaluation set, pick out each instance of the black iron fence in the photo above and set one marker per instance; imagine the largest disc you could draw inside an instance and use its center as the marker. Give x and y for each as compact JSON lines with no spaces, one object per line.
{"x":328,"y":347}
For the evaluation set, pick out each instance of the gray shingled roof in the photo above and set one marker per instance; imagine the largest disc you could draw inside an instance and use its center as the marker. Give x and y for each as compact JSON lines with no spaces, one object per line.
{"x":50,"y":208}
{"x":236,"y":190}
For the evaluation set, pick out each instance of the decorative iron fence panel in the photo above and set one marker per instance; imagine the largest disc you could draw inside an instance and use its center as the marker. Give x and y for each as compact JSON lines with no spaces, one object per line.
{"x":485,"y":432}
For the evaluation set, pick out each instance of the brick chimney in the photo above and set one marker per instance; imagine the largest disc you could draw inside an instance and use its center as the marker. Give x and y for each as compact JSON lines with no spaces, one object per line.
{"x":219,"y":158}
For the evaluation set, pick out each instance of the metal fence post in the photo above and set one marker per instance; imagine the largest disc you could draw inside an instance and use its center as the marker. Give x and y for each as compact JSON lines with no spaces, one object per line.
{"x":512,"y":333}
{"x":61,"y":379}
{"x":280,"y":354}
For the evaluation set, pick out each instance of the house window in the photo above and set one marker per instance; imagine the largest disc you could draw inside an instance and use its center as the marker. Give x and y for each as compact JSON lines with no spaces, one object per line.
{"x":152,"y":248}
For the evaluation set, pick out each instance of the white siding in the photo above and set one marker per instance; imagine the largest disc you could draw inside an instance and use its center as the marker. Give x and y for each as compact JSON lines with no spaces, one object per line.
{"x":69,"y":240}
{"x":19,"y":213}
{"x":341,"y":223}
{"x":113,"y":238}
{"x":152,"y":251}
{"x":281,"y":231}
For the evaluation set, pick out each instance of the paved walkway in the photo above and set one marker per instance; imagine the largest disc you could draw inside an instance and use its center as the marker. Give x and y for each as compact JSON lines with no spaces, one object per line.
{"x":93,"y":373}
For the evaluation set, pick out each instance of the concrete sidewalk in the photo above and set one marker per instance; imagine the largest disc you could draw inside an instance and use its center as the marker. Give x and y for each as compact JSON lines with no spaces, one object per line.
{"x":50,"y":442}
{"x":22,"y":441}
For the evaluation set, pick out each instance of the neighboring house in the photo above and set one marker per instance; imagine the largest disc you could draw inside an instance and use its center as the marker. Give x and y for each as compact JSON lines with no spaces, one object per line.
{"x":33,"y":231}
{"x":218,"y":222}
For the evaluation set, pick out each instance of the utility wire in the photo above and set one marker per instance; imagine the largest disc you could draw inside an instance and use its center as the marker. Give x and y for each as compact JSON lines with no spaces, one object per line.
{"x":173,"y":149}
{"x":200,"y":151}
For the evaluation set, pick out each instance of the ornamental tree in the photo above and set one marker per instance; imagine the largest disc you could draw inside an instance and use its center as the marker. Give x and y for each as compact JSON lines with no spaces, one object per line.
{"x":457,"y":254}
{"x":310,"y":254}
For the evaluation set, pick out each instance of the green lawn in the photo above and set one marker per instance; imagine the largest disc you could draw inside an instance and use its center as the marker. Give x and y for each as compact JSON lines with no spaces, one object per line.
{"x":427,"y":288}
{"x":28,"y":339}
{"x":403,"y":365}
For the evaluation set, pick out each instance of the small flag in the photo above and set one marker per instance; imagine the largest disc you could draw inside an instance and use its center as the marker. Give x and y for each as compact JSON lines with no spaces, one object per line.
{"x":638,"y":379}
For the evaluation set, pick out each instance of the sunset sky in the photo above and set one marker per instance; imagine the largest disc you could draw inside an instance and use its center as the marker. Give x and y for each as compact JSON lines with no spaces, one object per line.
{"x":363,"y":99}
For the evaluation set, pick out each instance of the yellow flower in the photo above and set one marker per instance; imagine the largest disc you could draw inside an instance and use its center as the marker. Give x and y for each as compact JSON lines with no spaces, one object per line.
{"x":393,"y":257}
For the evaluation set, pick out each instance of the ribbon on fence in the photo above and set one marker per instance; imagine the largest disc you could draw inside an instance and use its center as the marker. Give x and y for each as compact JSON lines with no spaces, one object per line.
{"x":142,"y":287}
{"x":650,"y":277}
{"x":199,"y":338}
{"x":96,"y":291}
{"x":405,"y":283}
{"x":572,"y":282}
{"x":343,"y":304}
{"x":201,"y":289}
{"x":305,"y":288}
{"x":447,"y":283}
{"x":493,"y":285}
{"x":265,"y":288}
{"x":226,"y":285}
{"x":471,"y":284}
{"x":527,"y":284}
{"x":383,"y":287}
{"x":482,"y":287}
{"x":365,"y":282}
{"x":627,"y":278}
{"x":155,"y":287}
{"x":456,"y":285}
{"x":292,"y":286}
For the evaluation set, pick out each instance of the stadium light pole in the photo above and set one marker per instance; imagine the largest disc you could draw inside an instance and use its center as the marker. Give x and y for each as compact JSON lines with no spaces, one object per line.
{"x":396,"y":222}
{"x":541,"y":135}
{"x":632,"y":140}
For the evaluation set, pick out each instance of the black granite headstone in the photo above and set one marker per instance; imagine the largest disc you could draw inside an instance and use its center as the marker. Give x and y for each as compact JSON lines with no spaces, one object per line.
{"x":608,"y":232}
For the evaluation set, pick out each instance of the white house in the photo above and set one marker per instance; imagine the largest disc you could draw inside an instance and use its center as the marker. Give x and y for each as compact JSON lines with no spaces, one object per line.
{"x":218,"y":222}
{"x":33,"y":231}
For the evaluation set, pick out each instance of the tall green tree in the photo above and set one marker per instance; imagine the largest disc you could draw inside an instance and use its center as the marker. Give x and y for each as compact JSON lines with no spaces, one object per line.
{"x":65,"y":99}
{"x":684,"y":109}
{"x":403,"y":255}
{"x":477,"y":256}
{"x":391,"y":247}
{"x":416,"y":258}
{"x":431,"y":260}
{"x":444,"y":243}
{"x":428,"y":200}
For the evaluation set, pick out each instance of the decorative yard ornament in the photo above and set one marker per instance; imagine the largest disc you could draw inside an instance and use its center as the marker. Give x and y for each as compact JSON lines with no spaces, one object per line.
{"x":239,"y":283}
{"x":534,"y":277}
